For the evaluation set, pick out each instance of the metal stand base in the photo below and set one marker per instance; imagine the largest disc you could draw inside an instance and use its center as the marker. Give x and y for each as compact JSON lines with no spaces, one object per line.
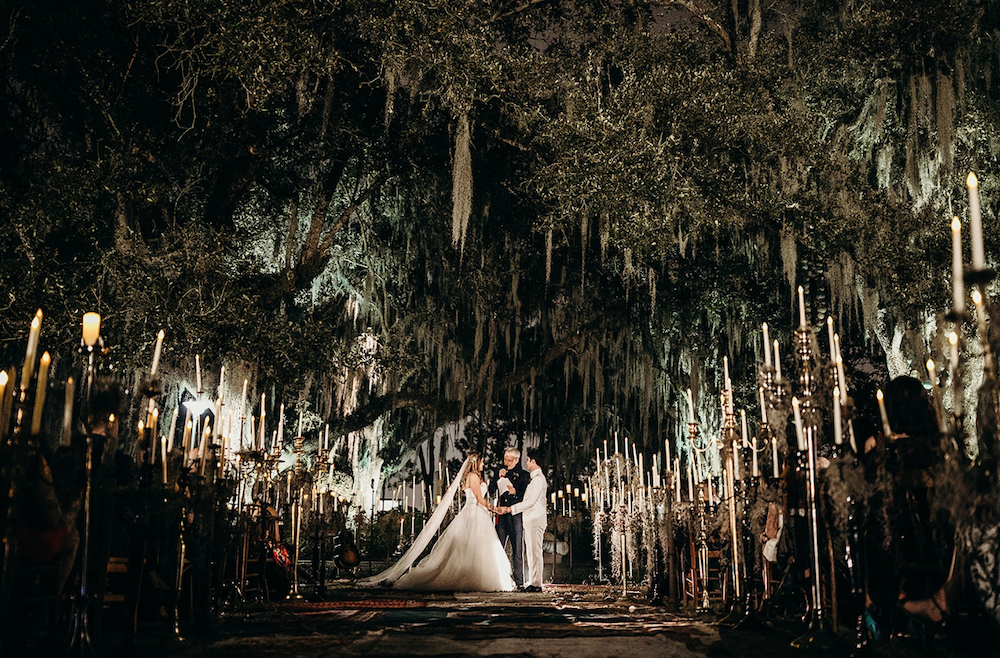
{"x":817,"y":637}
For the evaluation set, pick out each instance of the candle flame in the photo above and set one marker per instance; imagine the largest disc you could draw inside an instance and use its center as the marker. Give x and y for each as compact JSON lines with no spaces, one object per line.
{"x":35,"y":322}
{"x":3,"y":377}
{"x":879,"y":396}
{"x":956,"y":224}
{"x":953,"y":338}
{"x":160,"y":335}
{"x":972,"y":182}
{"x":977,"y":297}
{"x":46,"y":359}
{"x":836,"y":392}
{"x":930,"y":366}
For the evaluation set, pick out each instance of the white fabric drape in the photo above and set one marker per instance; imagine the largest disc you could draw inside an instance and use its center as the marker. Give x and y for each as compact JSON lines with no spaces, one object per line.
{"x":423,"y":539}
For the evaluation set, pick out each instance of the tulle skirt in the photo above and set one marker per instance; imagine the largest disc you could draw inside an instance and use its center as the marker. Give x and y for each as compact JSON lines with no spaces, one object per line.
{"x":467,"y":557}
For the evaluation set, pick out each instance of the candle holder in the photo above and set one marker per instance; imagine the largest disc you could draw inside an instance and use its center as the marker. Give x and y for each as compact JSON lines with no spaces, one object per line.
{"x":817,"y":635}
{"x":753,"y":573}
{"x":296,"y":520}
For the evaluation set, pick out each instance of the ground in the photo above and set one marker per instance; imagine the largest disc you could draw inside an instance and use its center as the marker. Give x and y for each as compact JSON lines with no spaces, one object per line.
{"x":573,"y":621}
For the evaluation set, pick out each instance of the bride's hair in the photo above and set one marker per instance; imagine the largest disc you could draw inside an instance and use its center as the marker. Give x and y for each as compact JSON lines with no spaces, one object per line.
{"x":475,"y":466}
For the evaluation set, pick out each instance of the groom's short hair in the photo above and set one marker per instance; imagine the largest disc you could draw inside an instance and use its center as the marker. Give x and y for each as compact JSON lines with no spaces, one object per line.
{"x":512,"y":452}
{"x":536,"y":455}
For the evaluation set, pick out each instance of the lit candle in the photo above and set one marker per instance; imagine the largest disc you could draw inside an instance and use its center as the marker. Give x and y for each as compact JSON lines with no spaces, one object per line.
{"x":690,"y":471}
{"x":743,"y":428}
{"x":156,"y":354}
{"x":977,"y":299}
{"x":186,"y":442}
{"x":802,"y":309}
{"x":203,"y":449}
{"x":616,"y":443}
{"x":799,"y":435}
{"x":29,"y":356}
{"x":711,"y":492}
{"x":753,"y":446}
{"x":40,"y":390}
{"x":281,"y":425}
{"x":163,"y":458}
{"x":830,"y":334}
{"x":763,"y":405}
{"x":4,"y":379}
{"x":598,"y":451}
{"x":838,"y":434}
{"x":691,"y":406}
{"x":666,"y":449}
{"x":67,"y":424}
{"x":300,"y":423}
{"x":91,"y":328}
{"x":957,"y":282}
{"x":726,"y":381}
{"x":605,"y":450}
{"x":886,"y":430}
{"x":774,"y":456}
{"x":197,"y":370}
{"x":975,"y":223}
{"x":953,"y":341}
{"x":767,"y":347}
{"x":777,"y":363}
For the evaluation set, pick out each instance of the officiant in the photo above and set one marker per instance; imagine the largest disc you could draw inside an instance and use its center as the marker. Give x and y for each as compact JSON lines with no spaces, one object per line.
{"x":510,"y":482}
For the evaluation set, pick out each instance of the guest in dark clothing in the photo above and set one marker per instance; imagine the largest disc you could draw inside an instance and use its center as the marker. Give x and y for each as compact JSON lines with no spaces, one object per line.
{"x":514,"y":480}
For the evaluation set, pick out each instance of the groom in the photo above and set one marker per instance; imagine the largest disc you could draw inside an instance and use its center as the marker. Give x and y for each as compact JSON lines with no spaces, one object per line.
{"x":510,"y":483}
{"x":533,"y":518}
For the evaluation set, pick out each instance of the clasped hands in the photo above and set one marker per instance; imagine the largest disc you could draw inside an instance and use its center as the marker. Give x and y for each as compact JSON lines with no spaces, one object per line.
{"x":502,"y":510}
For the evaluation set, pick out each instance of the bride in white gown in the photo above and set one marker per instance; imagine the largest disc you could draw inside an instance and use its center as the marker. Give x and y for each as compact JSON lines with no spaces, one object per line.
{"x":467,"y":557}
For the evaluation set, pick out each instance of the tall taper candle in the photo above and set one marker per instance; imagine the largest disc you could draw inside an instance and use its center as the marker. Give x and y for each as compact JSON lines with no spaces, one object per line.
{"x":756,"y":468}
{"x":777,"y":363}
{"x":774,"y":455}
{"x":767,"y":347}
{"x":957,"y":273}
{"x":838,"y":430}
{"x":29,"y":356}
{"x":799,"y":434}
{"x":886,"y":429}
{"x":802,"y":309}
{"x":743,"y":428}
{"x":975,"y":223}
{"x":763,"y":405}
{"x":40,"y":389}
{"x":156,"y":354}
{"x":67,"y":424}
{"x":830,"y":334}
{"x":691,"y":406}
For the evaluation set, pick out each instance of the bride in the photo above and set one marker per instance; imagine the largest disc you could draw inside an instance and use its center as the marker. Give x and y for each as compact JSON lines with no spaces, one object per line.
{"x":467,"y":557}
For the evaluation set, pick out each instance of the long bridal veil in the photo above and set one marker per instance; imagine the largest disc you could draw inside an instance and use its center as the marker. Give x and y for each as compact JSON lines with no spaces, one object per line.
{"x":404,"y":563}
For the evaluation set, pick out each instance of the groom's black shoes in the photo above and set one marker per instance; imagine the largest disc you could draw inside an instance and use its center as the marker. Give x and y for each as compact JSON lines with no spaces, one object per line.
{"x":531,"y":588}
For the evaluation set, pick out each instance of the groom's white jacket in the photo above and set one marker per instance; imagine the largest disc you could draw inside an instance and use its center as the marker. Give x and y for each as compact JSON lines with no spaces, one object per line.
{"x":532,"y":507}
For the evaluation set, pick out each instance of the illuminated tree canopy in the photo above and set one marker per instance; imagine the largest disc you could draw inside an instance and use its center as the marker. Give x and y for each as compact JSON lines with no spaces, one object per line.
{"x":285,"y":184}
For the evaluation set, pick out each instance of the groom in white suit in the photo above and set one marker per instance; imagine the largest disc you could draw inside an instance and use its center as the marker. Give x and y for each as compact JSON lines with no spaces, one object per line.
{"x":533,"y":518}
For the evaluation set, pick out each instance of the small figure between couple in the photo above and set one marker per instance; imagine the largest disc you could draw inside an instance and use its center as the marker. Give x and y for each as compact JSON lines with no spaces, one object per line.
{"x":468,"y":556}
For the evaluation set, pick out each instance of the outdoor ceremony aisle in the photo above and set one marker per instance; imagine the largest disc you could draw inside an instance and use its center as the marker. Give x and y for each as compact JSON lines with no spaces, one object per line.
{"x":575,"y":621}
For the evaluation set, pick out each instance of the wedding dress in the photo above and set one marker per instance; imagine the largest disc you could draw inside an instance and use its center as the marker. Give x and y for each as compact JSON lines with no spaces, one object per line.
{"x":467,"y":557}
